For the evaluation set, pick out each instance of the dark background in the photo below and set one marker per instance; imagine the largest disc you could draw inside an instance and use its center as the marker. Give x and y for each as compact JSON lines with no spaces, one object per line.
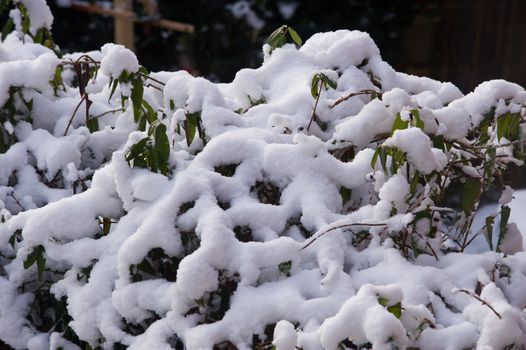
{"x":462,"y":41}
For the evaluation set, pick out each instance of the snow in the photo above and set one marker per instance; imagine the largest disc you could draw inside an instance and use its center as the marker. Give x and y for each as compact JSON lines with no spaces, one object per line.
{"x":258,"y":208}
{"x":40,"y":14}
{"x":117,"y":59}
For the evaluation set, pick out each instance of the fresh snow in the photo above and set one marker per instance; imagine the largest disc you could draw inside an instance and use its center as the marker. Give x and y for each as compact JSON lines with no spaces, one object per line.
{"x":332,"y":290}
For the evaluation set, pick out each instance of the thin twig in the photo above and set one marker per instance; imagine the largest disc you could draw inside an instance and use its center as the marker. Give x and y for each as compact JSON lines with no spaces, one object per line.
{"x":108,"y":112}
{"x":338,"y":227}
{"x":357,"y":93}
{"x":152,"y":79}
{"x":484,"y":302}
{"x":12,"y":195}
{"x":155,"y":87}
{"x":315,"y":106}
{"x":73,"y":115}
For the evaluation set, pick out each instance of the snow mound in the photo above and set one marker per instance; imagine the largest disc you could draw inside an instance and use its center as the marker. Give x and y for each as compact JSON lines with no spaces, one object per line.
{"x":262,"y":231}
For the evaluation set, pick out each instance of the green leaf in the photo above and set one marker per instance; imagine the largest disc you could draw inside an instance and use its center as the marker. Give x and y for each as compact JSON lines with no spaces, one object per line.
{"x":505,"y":212}
{"x":345,"y":193}
{"x":399,"y":124}
{"x":489,"y":230}
{"x":295,"y":37}
{"x":39,"y":37}
{"x":414,"y":182}
{"x":136,"y":97}
{"x":314,"y":86}
{"x":285,"y":267}
{"x":383,"y":301}
{"x":92,"y":124}
{"x":37,"y":255}
{"x":417,"y":121}
{"x":25,"y":18}
{"x":383,"y":158}
{"x":277,"y":38}
{"x":41,"y":262}
{"x":172,"y":105}
{"x":472,"y":190}
{"x":327,"y":82}
{"x":8,"y":28}
{"x":191,"y":124}
{"x":106,"y":225}
{"x":508,"y":126}
{"x":3,"y":5}
{"x":151,"y":115}
{"x":396,"y":309}
{"x":143,"y":70}
{"x":30,"y":260}
{"x":162,"y":144}
{"x":113,"y":84}
{"x":438,"y":141}
{"x":375,"y":157}
{"x":137,"y":149}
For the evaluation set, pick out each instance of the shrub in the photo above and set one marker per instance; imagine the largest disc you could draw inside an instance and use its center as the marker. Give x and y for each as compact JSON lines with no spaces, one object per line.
{"x":321,"y":201}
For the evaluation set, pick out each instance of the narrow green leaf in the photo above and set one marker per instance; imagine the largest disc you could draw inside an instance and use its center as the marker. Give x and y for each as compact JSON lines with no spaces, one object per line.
{"x":502,"y":125}
{"x":295,"y":37}
{"x":92,"y":124}
{"x":414,"y":182}
{"x":314,"y":86}
{"x":417,"y":121}
{"x":489,"y":230}
{"x":345,"y":193}
{"x":162,"y":143}
{"x":375,"y":157}
{"x":41,"y":262}
{"x":383,"y":301}
{"x":30,"y":260}
{"x":106,"y":225}
{"x":151,"y":115}
{"x":3,"y":5}
{"x":137,"y":149}
{"x":113,"y":84}
{"x":136,"y":97}
{"x":472,"y":191}
{"x":399,"y":124}
{"x":383,"y":158}
{"x":327,"y":82}
{"x":143,"y":70}
{"x":8,"y":28}
{"x":505,"y":212}
{"x":438,"y":142}
{"x":39,"y":37}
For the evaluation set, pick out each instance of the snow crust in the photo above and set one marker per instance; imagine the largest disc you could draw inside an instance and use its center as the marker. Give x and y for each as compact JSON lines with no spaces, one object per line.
{"x":330,"y":292}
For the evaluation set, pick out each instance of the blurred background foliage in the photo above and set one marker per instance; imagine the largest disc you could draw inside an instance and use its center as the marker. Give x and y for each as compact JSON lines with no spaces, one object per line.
{"x":463,"y":41}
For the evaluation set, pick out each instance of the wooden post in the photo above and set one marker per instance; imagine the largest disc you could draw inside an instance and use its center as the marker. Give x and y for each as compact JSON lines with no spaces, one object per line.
{"x":123,"y":24}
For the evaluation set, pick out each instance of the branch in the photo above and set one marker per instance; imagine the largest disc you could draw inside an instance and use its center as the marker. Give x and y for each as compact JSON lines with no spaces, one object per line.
{"x":338,"y":227}
{"x":361,"y":92}
{"x":73,"y":115}
{"x":484,"y":302}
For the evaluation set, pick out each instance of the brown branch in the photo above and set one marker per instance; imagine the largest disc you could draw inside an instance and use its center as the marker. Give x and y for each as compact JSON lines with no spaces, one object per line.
{"x":73,"y":115}
{"x":152,"y":79}
{"x":484,"y":302}
{"x":12,"y":195}
{"x":357,"y":93}
{"x":315,"y":105}
{"x":338,"y":227}
{"x":108,"y":112}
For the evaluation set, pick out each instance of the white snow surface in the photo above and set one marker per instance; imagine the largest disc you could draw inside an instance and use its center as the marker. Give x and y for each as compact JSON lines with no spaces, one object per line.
{"x":331,"y":291}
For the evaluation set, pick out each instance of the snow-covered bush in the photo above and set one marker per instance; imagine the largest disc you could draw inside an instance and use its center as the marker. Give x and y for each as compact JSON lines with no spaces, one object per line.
{"x":321,"y":201}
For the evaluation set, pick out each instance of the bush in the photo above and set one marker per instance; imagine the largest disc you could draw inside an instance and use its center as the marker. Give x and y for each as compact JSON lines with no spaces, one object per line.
{"x":321,"y":201}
